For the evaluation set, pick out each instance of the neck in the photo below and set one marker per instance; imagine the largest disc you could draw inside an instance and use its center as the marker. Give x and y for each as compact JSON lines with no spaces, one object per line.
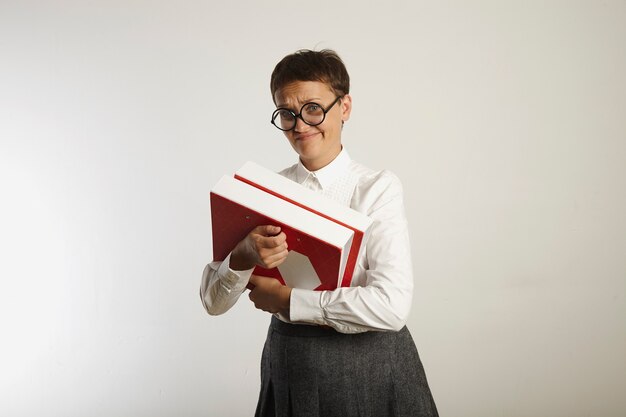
{"x":319,"y":163}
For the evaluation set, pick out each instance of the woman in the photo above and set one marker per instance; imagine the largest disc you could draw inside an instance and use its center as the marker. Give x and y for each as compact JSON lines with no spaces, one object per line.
{"x":345,"y":352}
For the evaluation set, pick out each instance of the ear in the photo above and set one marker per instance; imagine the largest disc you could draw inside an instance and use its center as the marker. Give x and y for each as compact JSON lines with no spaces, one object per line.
{"x":346,"y":107}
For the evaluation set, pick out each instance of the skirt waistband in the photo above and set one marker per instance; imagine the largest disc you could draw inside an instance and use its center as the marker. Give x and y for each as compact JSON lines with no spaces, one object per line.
{"x":301,"y":330}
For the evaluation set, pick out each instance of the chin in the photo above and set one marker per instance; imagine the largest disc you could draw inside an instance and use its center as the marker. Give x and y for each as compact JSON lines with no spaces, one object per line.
{"x":307,"y":156}
{"x":306,"y":149}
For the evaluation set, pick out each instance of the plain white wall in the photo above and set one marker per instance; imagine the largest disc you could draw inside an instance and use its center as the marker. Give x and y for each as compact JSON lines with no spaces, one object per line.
{"x":506,"y":122}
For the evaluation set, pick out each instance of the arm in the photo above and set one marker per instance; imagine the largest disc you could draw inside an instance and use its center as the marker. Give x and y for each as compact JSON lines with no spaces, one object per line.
{"x":223,"y":282}
{"x":383,"y":303}
{"x":270,"y":295}
{"x":221,"y":286}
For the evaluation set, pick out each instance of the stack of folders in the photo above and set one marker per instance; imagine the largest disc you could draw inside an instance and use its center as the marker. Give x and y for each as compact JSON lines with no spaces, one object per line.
{"x":324,"y":238}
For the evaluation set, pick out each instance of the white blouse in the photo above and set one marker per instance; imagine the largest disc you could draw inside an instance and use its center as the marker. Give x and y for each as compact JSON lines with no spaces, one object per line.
{"x":381,"y":292}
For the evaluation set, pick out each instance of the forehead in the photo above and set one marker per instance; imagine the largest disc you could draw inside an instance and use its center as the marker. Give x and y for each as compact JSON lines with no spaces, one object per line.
{"x":300,"y":92}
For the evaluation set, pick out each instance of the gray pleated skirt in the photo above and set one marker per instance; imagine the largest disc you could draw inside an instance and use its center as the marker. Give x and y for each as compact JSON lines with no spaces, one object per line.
{"x":312,"y":371}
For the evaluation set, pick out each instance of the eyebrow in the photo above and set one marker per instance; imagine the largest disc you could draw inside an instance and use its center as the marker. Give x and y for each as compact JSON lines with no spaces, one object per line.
{"x":308,"y":100}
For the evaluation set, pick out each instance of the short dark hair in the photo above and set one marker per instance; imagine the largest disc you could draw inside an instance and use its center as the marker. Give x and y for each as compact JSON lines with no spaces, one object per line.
{"x":306,"y":65}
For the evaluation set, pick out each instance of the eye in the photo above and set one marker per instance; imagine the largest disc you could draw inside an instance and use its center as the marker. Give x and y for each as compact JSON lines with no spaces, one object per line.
{"x":285,"y":114}
{"x":313,"y":108}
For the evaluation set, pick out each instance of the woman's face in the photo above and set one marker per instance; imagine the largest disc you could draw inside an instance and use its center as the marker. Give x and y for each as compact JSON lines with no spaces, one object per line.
{"x":316,"y":145}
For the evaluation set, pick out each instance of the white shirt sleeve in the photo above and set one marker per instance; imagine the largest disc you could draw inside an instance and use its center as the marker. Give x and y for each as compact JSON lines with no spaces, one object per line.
{"x":384,"y":302}
{"x":221,"y":286}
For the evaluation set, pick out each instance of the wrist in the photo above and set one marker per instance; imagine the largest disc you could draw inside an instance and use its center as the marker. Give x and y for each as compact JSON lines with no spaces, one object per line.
{"x":285,"y":300}
{"x":239,"y":262}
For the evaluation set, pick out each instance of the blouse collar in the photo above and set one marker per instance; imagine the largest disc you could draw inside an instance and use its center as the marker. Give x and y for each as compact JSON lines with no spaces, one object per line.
{"x":328,"y":174}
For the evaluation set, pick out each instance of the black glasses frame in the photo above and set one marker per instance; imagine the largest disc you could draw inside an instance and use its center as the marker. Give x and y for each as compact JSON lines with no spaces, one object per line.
{"x":299,"y":115}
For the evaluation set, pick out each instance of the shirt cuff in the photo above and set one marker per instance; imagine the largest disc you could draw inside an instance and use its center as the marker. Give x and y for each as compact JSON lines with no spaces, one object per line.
{"x":305,"y":306}
{"x":231,"y":279}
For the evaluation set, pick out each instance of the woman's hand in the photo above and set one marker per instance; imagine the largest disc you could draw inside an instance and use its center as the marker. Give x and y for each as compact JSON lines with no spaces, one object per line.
{"x":270,"y":295}
{"x":265,"y":246}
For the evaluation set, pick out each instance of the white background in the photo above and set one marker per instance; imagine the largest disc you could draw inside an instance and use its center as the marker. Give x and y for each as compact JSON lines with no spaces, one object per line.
{"x":506,"y":122}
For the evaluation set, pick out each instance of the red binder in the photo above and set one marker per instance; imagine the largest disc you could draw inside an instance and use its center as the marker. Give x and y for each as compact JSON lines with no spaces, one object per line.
{"x":319,"y":248}
{"x":281,"y":187}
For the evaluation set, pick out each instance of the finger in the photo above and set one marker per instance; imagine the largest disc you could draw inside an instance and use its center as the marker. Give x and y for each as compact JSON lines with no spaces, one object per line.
{"x":254,"y":297}
{"x":280,"y":238}
{"x":260,"y":281}
{"x":265,"y":253}
{"x":276,"y":259}
{"x":267,"y":230}
{"x":271,"y":242}
{"x":254,"y":280}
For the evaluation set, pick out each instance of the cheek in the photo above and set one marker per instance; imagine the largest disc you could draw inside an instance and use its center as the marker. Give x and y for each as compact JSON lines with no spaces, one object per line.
{"x":330,"y":132}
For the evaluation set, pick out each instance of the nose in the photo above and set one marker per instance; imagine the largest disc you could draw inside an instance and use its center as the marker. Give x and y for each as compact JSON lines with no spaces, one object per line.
{"x":300,"y":125}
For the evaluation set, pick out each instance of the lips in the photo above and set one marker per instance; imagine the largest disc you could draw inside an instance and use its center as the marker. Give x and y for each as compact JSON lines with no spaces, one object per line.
{"x":306,"y":136}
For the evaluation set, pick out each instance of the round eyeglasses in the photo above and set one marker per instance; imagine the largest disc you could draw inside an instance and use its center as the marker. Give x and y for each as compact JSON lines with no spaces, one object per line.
{"x":311,"y":113}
